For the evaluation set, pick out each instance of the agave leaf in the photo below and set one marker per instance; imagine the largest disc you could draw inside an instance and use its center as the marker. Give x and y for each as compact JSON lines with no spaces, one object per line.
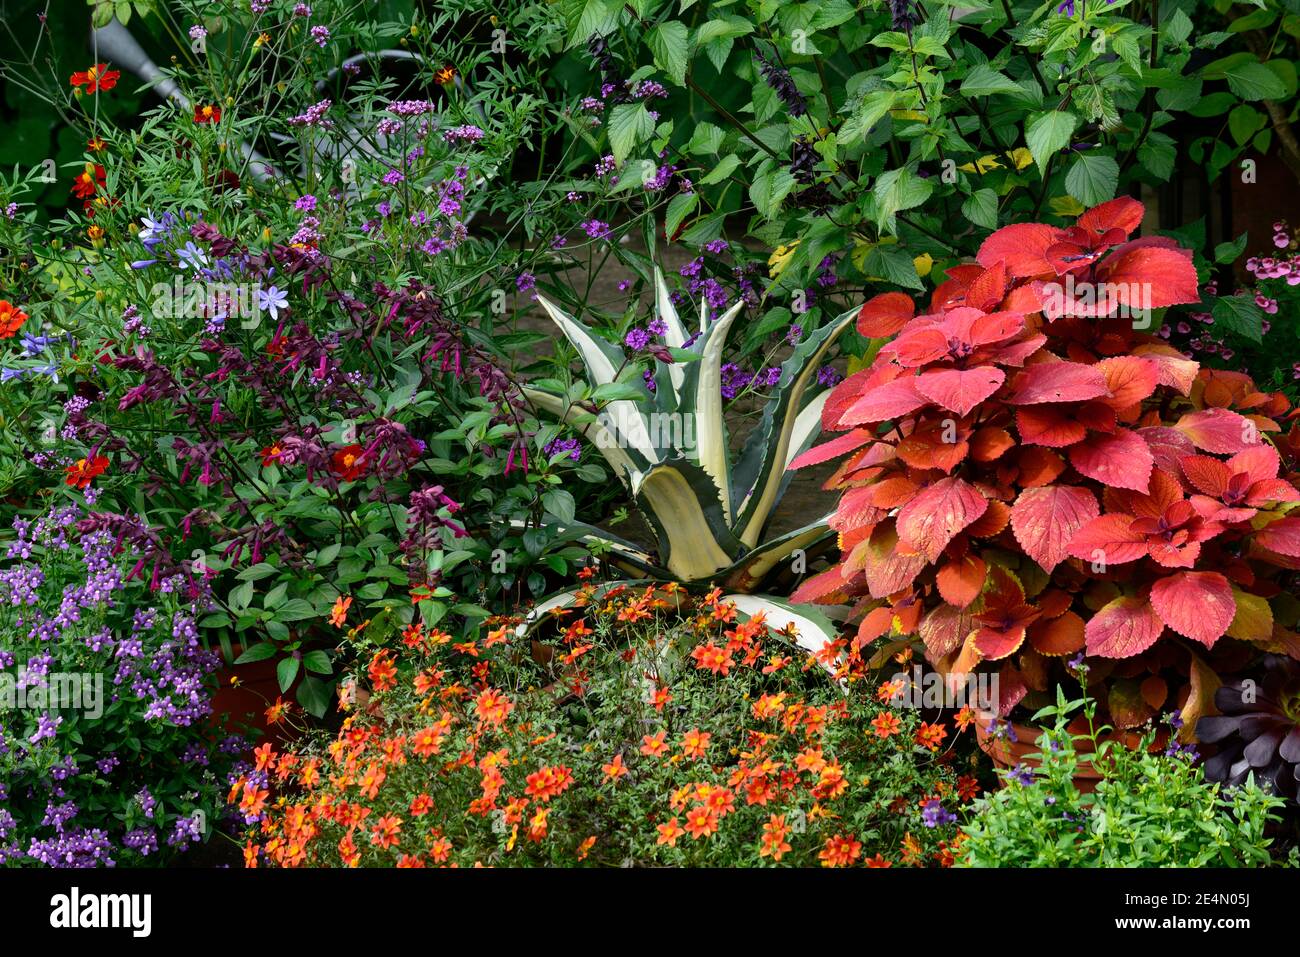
{"x":626,"y":463}
{"x":746,"y":574}
{"x":812,"y":628}
{"x":681,"y":501}
{"x":616,"y":551}
{"x":770,"y":446}
{"x":676,"y":334}
{"x":710,"y":429}
{"x":603,"y":360}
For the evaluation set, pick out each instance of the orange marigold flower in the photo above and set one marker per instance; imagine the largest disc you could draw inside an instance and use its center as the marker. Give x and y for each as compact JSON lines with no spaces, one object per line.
{"x":769,"y":705}
{"x":208,"y":113}
{"x":810,"y":760}
{"x":348,"y":851}
{"x":264,"y":755}
{"x":967,"y":787}
{"x":95,"y":78}
{"x":669,"y":832}
{"x":721,"y":801}
{"x":11,"y":319}
{"x":840,"y":851}
{"x":878,"y":861}
{"x":444,"y":75}
{"x":89,"y":180}
{"x":386,"y":831}
{"x":964,"y":718}
{"x":250,"y":854}
{"x":84,"y":471}
{"x":886,"y":725}
{"x":410,"y":860}
{"x":585,"y":847}
{"x":660,"y":697}
{"x":371,"y":780}
{"x":276,"y":713}
{"x":426,"y":742}
{"x":889,"y":690}
{"x":253,"y":801}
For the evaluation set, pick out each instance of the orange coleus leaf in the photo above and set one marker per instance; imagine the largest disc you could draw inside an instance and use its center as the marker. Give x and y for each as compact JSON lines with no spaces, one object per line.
{"x":1038,"y":466}
{"x":1049,"y":425}
{"x":992,"y":522}
{"x":935,"y":446}
{"x":1155,"y":691}
{"x":1151,"y":276}
{"x":1123,"y":628}
{"x":944,"y":628}
{"x":1005,"y":617}
{"x":986,"y":290}
{"x":1057,"y":637}
{"x":941,"y":510}
{"x":1126,"y":704}
{"x":961,"y":580}
{"x":1045,"y":520}
{"x":1198,"y":605}
{"x":887,"y":568}
{"x":989,"y":443}
{"x":891,"y":492}
{"x":884,"y":402}
{"x":1129,"y":378}
{"x":885,"y":314}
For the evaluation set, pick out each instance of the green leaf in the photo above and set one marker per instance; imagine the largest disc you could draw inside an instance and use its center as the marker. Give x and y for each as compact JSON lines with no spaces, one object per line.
{"x":679,"y":207}
{"x":768,"y":190}
{"x":560,"y":504}
{"x":1225,"y":253}
{"x":1177,"y":28}
{"x":1243,"y":122}
{"x":1048,"y":133}
{"x":725,"y":167}
{"x":258,"y":652}
{"x":286,"y":671}
{"x":670,"y":44}
{"x":868,"y":113}
{"x":629,"y":124}
{"x":317,"y":661}
{"x":314,"y":696}
{"x":985,"y":81}
{"x":895,"y":191}
{"x":1240,"y":315}
{"x":1255,"y":81}
{"x":981,"y":208}
{"x":1092,"y":178}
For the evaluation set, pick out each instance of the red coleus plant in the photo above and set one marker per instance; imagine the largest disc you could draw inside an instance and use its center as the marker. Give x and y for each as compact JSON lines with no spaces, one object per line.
{"x":1030,"y":477}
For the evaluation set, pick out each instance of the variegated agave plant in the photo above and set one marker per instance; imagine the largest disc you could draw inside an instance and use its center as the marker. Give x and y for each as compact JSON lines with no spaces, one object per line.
{"x":670,"y":448}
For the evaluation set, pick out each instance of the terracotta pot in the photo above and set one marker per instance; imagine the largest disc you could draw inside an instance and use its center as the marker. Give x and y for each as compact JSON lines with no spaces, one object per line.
{"x":238,"y":708}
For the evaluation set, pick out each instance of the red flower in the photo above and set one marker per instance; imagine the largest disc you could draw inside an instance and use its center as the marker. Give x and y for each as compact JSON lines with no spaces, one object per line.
{"x":207,"y":114}
{"x":11,"y":319}
{"x":83,"y":472}
{"x":98,"y":77}
{"x":349,"y":463}
{"x":88,"y":182}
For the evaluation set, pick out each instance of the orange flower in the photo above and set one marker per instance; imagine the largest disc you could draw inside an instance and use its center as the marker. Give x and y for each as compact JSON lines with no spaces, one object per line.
{"x":348,"y":463}
{"x":964,"y":718}
{"x":773,"y":843}
{"x":695,"y":742}
{"x":96,"y":78}
{"x":615,"y":769}
{"x":585,"y":847}
{"x":84,"y":472}
{"x":444,"y":75}
{"x":840,"y":851}
{"x":348,"y":851}
{"x":265,"y":756}
{"x":253,"y":801}
{"x":371,"y":780}
{"x":276,"y":713}
{"x":382,"y":671}
{"x":931,"y":735}
{"x":88,"y":181}
{"x":440,"y":849}
{"x":426,"y":742}
{"x":386,"y":831}
{"x":491,"y":707}
{"x":701,"y":821}
{"x":967,"y":787}
{"x":210,"y":113}
{"x":660,"y":697}
{"x":721,"y":801}
{"x":11,"y":319}
{"x":709,"y":657}
{"x":669,"y":833}
{"x":886,"y":725}
{"x":654,"y":746}
{"x":271,"y":454}
{"x":549,"y":782}
{"x":769,"y":706}
{"x":250,"y":854}
{"x":409,"y":860}
{"x":339,"y":613}
{"x":878,"y":861}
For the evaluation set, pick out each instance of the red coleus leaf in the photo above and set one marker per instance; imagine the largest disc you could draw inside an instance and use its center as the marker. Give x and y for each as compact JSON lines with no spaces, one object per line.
{"x":886,"y":567}
{"x":1282,"y":536}
{"x":885,"y":314}
{"x":1151,"y":277}
{"x":1174,"y":370}
{"x":1037,"y":467}
{"x":944,"y":629}
{"x":1108,"y":540}
{"x":1121,"y":459}
{"x":884,"y":402}
{"x":1057,"y":382}
{"x":1021,"y":247}
{"x":931,"y":520}
{"x":987,"y":289}
{"x":1005,"y":617}
{"x":1219,"y":431}
{"x":1129,"y":378}
{"x":1198,"y":605}
{"x":1123,"y":214}
{"x":960,"y":390}
{"x":1168,"y":446}
{"x":1123,"y":628}
{"x":1045,"y":520}
{"x":834,"y":448}
{"x":820,"y":587}
{"x":847,"y":393}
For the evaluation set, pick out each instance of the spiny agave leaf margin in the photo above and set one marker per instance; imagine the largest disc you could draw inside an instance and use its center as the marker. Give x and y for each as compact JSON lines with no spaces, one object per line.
{"x":680,"y":500}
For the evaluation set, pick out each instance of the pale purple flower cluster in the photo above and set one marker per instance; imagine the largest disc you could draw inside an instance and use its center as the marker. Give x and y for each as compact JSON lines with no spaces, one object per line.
{"x":314,"y":116}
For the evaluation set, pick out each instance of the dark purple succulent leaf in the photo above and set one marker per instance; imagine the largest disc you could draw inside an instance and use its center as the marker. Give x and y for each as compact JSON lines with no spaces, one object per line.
{"x":1263,"y":749}
{"x":1216,"y":728}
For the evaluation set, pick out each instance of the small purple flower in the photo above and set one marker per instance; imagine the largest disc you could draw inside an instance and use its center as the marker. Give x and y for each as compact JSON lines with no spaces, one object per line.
{"x":636,"y":339}
{"x":934,"y":814}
